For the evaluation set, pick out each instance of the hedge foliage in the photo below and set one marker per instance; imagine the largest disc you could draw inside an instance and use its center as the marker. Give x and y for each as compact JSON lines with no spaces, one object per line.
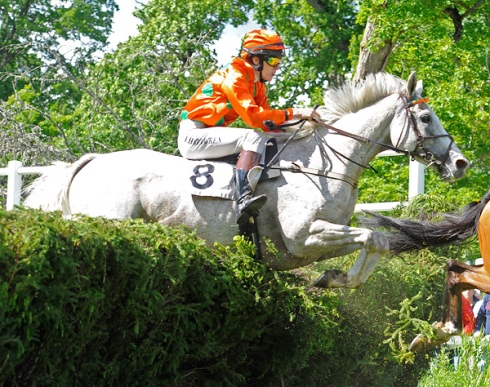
{"x":100,"y":302}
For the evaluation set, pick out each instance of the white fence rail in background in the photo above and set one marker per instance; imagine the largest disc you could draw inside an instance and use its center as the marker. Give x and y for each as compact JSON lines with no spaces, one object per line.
{"x":416,"y":185}
{"x":15,"y":171}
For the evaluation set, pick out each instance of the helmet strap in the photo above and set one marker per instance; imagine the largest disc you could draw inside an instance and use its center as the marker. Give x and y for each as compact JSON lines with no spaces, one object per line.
{"x":262,"y":79}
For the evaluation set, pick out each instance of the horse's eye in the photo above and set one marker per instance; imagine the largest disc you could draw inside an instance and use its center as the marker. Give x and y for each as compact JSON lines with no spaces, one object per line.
{"x":425,"y":118}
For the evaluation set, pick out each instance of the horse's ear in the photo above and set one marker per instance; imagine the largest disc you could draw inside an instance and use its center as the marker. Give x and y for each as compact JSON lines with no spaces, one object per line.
{"x":419,"y":88}
{"x":412,"y":83}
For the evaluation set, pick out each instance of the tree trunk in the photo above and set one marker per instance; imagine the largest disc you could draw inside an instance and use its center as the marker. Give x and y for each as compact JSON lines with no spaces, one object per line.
{"x":372,"y":61}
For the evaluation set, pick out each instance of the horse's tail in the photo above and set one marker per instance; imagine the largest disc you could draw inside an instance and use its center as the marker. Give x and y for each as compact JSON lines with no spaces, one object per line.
{"x":406,"y":235}
{"x":50,"y":191}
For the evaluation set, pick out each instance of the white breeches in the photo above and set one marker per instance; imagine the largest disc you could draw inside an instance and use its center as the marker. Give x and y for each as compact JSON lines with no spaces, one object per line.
{"x":196,"y":141}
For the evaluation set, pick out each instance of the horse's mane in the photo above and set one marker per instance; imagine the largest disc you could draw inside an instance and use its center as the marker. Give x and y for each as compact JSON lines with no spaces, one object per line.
{"x":350,"y":98}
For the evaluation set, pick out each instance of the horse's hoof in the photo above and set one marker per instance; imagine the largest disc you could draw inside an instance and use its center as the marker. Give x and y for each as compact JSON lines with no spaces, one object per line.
{"x":422,"y":343}
{"x":331,"y":279}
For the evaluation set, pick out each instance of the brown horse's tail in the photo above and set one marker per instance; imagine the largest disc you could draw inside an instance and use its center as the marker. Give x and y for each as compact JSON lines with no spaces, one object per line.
{"x":406,"y":235}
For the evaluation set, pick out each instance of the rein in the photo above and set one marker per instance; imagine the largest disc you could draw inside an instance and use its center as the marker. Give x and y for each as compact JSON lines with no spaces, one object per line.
{"x":295,"y":168}
{"x":426,"y":155}
{"x":362,"y":139}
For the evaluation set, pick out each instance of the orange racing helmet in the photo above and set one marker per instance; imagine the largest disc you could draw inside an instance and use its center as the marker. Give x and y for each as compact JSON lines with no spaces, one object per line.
{"x":262,"y":43}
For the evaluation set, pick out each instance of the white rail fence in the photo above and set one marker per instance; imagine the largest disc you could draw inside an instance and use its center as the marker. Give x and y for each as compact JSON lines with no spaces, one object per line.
{"x":15,"y":170}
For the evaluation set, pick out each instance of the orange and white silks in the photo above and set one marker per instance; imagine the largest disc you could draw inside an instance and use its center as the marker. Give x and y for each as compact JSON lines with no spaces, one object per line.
{"x":230,"y":93}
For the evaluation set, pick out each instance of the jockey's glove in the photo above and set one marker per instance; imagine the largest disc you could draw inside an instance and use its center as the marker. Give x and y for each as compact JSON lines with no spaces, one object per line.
{"x":305,"y":114}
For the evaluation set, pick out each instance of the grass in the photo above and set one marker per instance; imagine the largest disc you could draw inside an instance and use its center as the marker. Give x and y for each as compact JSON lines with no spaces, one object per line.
{"x":472,"y":368}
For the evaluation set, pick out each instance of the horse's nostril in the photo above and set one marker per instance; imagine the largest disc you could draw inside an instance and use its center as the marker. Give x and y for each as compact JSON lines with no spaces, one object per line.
{"x":461,"y":164}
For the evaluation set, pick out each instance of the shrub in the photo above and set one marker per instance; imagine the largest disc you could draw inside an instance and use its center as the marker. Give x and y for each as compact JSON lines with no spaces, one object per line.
{"x":102,"y":302}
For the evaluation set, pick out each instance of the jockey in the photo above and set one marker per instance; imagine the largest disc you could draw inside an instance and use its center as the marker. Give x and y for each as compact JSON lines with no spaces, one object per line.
{"x":237,"y":90}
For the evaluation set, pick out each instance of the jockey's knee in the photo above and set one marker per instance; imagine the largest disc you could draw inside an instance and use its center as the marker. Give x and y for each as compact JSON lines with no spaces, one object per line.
{"x":255,"y":141}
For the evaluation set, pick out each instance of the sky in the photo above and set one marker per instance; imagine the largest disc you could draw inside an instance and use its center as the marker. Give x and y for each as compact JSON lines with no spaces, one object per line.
{"x":126,"y":25}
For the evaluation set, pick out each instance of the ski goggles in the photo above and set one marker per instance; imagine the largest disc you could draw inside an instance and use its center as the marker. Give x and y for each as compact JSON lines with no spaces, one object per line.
{"x":273,"y":61}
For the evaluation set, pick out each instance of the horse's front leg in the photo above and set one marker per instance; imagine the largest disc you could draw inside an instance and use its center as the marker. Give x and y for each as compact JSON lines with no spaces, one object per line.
{"x":341,"y":240}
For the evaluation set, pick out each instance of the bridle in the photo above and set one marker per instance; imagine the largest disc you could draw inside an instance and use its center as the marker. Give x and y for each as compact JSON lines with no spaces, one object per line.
{"x":426,"y":155}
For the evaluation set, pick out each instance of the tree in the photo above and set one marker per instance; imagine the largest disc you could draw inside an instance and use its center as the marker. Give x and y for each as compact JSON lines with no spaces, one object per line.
{"x":30,"y":29}
{"x":137,"y":93}
{"x":39,"y":41}
{"x":447,"y":43}
{"x":388,"y":27}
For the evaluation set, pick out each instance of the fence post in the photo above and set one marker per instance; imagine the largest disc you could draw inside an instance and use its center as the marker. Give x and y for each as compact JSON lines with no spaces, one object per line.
{"x":416,"y":181}
{"x":14,"y":184}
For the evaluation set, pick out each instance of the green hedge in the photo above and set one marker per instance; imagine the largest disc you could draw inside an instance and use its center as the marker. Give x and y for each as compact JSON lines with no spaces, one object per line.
{"x":100,"y":302}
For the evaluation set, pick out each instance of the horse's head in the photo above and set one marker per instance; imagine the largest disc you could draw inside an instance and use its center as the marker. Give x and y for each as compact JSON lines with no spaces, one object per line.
{"x":417,"y":130}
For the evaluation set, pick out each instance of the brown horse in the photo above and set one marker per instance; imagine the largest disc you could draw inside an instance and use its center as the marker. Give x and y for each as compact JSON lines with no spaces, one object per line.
{"x":408,"y":235}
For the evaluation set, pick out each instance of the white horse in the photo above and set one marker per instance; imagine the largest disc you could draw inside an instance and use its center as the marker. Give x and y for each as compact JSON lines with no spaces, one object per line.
{"x":309,"y":205}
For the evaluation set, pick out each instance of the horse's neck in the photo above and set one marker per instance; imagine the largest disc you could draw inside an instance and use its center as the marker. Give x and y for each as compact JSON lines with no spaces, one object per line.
{"x":349,"y":155}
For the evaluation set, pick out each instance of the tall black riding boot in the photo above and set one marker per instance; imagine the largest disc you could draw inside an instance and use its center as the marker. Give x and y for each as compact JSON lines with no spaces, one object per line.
{"x":246,"y":203}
